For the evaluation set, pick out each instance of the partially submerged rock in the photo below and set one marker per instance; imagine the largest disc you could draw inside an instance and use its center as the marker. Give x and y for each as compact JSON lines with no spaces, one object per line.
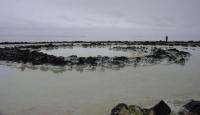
{"x":171,"y":55}
{"x":48,"y":46}
{"x":193,"y":107}
{"x":161,"y":109}
{"x":21,"y":55}
{"x":121,"y":58}
{"x":27,"y":56}
{"x":122,"y":109}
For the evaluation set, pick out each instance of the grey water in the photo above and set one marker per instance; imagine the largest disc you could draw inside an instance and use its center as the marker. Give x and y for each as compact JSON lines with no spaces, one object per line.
{"x":36,"y":92}
{"x":84,"y":52}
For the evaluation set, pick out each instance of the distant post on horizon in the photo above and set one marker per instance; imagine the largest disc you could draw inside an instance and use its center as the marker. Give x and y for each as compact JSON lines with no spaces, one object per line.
{"x":166,"y":38}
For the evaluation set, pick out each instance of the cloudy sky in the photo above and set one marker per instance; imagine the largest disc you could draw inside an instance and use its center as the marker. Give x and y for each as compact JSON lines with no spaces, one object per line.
{"x":54,"y":20}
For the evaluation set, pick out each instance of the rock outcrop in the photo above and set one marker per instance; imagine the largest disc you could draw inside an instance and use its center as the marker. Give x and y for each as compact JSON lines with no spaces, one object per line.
{"x":159,"y":109}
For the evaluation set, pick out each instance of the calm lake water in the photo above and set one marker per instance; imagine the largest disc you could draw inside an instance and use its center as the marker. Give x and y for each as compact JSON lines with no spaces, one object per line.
{"x":36,"y":92}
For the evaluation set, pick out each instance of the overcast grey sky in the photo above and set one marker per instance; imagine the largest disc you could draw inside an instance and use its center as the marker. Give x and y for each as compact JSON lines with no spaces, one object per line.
{"x":41,"y":20}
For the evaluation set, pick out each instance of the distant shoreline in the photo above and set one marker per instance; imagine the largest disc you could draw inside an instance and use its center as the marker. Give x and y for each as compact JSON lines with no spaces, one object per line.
{"x":169,"y":43}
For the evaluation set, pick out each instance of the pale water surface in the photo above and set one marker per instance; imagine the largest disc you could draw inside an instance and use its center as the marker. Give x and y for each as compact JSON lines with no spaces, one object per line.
{"x":36,"y":92}
{"x":84,"y":52}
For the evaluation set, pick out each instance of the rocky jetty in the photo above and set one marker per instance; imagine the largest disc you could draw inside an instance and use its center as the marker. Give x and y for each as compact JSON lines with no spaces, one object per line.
{"x":47,"y":46}
{"x":102,"y":43}
{"x":193,"y":108}
{"x":162,"y":108}
{"x":122,"y":109}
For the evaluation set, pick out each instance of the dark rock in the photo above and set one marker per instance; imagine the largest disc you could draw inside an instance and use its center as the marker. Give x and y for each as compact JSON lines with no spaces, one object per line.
{"x":122,"y":109}
{"x":91,"y":60}
{"x":27,"y":56}
{"x":161,"y":109}
{"x":73,"y":56}
{"x":105,"y":58}
{"x":81,"y":60}
{"x":171,"y":57}
{"x":193,"y":107}
{"x":115,"y":62}
{"x":138,"y":59}
{"x":181,"y":61}
{"x":183,"y":53}
{"x":121,"y":58}
{"x":174,"y":50}
{"x":160,"y":53}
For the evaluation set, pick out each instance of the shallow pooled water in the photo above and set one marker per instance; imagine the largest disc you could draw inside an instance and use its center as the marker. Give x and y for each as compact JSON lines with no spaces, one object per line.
{"x":84,"y":52}
{"x":36,"y":92}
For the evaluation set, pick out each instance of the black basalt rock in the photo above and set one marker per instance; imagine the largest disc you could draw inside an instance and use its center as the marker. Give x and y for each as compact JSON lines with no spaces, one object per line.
{"x":193,"y":107}
{"x":81,"y":60}
{"x":121,"y":58}
{"x":173,"y":50}
{"x":161,"y":109}
{"x":27,"y":56}
{"x":91,"y":60}
{"x":160,"y":53}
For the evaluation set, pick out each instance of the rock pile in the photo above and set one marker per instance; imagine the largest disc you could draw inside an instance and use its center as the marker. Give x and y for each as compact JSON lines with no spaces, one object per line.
{"x":160,"y":109}
{"x":191,"y":108}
